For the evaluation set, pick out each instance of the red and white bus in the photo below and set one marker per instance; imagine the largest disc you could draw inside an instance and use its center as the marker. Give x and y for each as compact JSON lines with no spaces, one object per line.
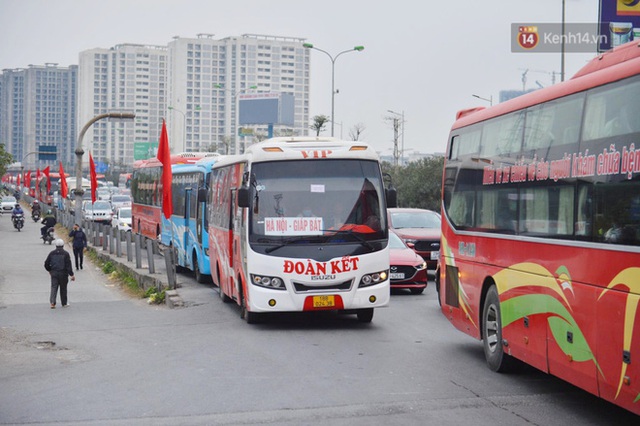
{"x":146,"y":192}
{"x":540,"y":252}
{"x":299,"y":224}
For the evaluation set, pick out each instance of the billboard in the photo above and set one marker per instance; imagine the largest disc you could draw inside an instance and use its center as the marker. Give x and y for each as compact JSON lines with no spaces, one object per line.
{"x":266,"y":108}
{"x":47,"y":153}
{"x":144,"y":150}
{"x":619,"y":22}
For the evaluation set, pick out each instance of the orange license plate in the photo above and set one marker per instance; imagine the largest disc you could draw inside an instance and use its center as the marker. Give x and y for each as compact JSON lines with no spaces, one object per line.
{"x":324,"y":301}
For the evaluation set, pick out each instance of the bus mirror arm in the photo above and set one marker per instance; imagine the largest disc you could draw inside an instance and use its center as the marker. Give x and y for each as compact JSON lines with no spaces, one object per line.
{"x":202,"y":195}
{"x":244,"y":197}
{"x":390,"y":193}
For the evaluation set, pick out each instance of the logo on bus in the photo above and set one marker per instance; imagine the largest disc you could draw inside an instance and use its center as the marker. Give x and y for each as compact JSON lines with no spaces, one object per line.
{"x":324,"y":153}
{"x":528,"y":37}
{"x":311,"y":268}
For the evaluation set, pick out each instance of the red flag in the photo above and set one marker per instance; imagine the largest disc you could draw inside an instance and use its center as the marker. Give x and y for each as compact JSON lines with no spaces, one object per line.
{"x":64,"y":189}
{"x":27,"y":179}
{"x":94,"y":178}
{"x":37,"y":176}
{"x":164,"y":155}
{"x":46,"y":173}
{"x":18,"y":181}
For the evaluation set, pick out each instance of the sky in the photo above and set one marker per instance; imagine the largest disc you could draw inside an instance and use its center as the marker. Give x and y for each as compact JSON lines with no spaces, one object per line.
{"x":422,"y":59}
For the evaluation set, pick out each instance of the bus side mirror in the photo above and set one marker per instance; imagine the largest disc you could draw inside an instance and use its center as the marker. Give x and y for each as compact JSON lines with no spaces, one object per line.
{"x":392,"y":197}
{"x":244,"y":199}
{"x":202,"y":195}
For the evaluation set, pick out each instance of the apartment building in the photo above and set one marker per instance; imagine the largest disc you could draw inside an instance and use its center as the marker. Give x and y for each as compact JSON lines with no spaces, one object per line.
{"x":38,"y":109}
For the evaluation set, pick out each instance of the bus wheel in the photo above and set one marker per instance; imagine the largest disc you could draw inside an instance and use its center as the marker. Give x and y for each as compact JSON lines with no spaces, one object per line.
{"x":224,"y":297}
{"x":497,"y":359}
{"x":249,"y":317}
{"x":365,"y":315}
{"x":200,"y":277}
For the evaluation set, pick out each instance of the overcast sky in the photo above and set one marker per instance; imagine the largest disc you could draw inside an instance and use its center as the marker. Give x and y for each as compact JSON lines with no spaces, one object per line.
{"x":425,"y":59}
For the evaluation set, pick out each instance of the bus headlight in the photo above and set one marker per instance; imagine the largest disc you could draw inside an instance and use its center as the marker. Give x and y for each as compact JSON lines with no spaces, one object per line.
{"x":374,"y":278}
{"x":267,"y":282}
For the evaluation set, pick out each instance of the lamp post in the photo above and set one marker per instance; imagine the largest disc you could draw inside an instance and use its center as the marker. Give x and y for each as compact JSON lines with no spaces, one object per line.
{"x":79,"y":152}
{"x":22,"y":165}
{"x":236,"y":108}
{"x":333,"y":74}
{"x":401,"y":115}
{"x":490,"y":99}
{"x":184,"y":125}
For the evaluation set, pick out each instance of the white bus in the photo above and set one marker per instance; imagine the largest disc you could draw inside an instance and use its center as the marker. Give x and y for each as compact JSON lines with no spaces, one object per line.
{"x":299,"y":224}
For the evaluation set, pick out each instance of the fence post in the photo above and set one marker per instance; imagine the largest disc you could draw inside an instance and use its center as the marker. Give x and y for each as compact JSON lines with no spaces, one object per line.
{"x":138,"y":251}
{"x":127,"y":236}
{"x":152,"y":268}
{"x":111,"y":238}
{"x":105,"y":240}
{"x":170,"y":262}
{"x":118,"y":245}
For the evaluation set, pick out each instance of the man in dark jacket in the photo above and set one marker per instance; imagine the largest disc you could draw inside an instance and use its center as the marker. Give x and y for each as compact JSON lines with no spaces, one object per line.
{"x":79,"y":244}
{"x":49,"y":222}
{"x":58,"y":264}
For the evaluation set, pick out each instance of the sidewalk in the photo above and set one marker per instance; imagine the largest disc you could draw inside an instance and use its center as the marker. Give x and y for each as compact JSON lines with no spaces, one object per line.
{"x":187,"y":291}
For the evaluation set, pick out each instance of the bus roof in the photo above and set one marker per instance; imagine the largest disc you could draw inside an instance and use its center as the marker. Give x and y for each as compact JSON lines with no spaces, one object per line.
{"x":181,"y":158}
{"x":617,"y":64}
{"x":301,"y":147}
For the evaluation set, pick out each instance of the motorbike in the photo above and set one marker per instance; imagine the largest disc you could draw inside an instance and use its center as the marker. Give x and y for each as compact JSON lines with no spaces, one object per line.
{"x":18,"y":221}
{"x":35,"y":216}
{"x":48,"y":236}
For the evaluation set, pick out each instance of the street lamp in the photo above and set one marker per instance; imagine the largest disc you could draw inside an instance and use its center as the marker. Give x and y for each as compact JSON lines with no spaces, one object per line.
{"x":333,"y":74}
{"x":235,"y":111}
{"x":22,"y":165}
{"x":184,"y":125}
{"x":401,"y":115}
{"x":490,"y":99}
{"x":79,"y":152}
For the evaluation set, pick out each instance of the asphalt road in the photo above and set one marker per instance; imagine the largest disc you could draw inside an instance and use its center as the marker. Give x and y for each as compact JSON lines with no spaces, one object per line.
{"x":111,"y":360}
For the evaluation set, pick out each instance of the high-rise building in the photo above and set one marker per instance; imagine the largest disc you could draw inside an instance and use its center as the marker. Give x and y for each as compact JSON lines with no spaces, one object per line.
{"x":195,"y":83}
{"x":124,"y":78}
{"x":38,"y":109}
{"x":207,"y":76}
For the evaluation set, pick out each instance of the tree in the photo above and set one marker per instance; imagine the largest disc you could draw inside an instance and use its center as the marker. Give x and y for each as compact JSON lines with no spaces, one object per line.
{"x":419,"y":183}
{"x":319,"y":123}
{"x":5,"y":160}
{"x":356,"y":131}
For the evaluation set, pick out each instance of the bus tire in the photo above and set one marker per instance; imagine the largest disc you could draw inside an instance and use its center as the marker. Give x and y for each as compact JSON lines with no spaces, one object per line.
{"x":494,"y":353}
{"x":200,"y":277}
{"x":365,"y":315}
{"x":224,"y":297}
{"x":248,"y":316}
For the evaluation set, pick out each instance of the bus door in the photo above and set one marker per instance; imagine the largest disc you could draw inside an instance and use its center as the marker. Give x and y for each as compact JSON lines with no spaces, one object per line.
{"x":187,"y":220}
{"x":231,"y":236}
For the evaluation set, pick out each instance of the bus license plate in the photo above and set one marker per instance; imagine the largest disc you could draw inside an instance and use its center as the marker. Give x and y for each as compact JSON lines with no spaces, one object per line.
{"x":435,"y":255}
{"x":396,"y":276}
{"x":323,"y":301}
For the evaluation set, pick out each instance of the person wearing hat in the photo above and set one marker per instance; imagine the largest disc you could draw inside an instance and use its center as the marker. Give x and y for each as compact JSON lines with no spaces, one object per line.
{"x":79,"y":244}
{"x":58,"y":264}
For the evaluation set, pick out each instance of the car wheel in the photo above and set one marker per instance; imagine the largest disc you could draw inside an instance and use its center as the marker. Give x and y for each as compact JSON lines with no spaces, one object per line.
{"x":492,"y":342}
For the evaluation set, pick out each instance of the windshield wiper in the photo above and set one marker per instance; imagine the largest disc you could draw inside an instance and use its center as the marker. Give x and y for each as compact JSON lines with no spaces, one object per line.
{"x":356,"y":235}
{"x":286,"y":242}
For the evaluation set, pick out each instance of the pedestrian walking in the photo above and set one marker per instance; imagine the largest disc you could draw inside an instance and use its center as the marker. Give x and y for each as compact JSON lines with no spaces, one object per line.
{"x":79,"y":244}
{"x":58,"y":264}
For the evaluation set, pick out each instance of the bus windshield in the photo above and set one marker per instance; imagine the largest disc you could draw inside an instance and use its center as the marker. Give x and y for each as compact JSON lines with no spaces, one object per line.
{"x":323,"y":201}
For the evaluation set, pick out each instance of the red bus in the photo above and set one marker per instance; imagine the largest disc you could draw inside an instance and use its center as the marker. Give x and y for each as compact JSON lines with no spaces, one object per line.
{"x":146,"y":192}
{"x":540,"y":253}
{"x":41,"y":193}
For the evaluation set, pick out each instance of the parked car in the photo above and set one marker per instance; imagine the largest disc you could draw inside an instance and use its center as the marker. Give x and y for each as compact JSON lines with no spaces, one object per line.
{"x":122,"y":219}
{"x":118,"y":201}
{"x":100,"y":211}
{"x":421,"y":228}
{"x":7,"y":204}
{"x":408,"y":269}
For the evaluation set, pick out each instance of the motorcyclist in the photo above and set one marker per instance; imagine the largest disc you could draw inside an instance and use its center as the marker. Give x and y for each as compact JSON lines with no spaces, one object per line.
{"x":16,"y":211}
{"x":35,"y":207}
{"x":49,"y":221}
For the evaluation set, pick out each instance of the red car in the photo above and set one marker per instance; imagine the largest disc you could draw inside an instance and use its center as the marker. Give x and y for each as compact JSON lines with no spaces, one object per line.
{"x":421,"y":228}
{"x":407,"y":269}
